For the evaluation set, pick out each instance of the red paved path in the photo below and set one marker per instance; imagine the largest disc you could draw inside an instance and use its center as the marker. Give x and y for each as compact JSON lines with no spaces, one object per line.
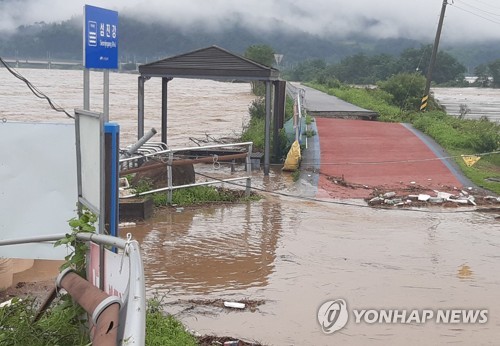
{"x":354,"y":141}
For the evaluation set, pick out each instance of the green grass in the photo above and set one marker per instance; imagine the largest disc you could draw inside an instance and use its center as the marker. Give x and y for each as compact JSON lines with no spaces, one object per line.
{"x":309,"y":119}
{"x":456,"y":136}
{"x":310,"y":133}
{"x":204,"y":194}
{"x":487,"y":167}
{"x":61,"y":325}
{"x":165,"y":330}
{"x":195,"y":195}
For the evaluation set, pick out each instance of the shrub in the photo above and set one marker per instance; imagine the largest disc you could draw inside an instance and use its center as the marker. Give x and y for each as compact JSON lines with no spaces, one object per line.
{"x":406,"y":90}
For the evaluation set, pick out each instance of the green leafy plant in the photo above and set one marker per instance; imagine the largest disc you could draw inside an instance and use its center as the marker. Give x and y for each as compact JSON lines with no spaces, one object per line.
{"x":309,"y":119}
{"x":309,"y":133}
{"x":76,"y":259}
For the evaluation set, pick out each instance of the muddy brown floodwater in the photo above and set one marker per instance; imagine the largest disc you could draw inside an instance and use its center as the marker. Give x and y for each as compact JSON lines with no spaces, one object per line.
{"x":297,"y":254}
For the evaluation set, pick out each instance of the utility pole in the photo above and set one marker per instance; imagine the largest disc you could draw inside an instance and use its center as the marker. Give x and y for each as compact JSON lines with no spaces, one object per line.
{"x":423,"y":105}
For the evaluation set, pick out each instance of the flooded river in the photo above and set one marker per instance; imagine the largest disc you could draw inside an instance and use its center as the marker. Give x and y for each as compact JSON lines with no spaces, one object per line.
{"x":291,"y":253}
{"x":195,"y":107}
{"x":479,"y":102}
{"x":296,"y":254}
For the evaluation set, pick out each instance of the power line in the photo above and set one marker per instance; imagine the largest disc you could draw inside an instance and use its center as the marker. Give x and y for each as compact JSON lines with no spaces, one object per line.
{"x":35,"y":90}
{"x":486,"y":4}
{"x":477,"y":15}
{"x":479,"y":9}
{"x":392,"y":161}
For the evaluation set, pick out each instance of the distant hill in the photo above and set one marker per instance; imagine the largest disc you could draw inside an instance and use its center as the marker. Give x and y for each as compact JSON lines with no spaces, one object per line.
{"x":140,"y":42}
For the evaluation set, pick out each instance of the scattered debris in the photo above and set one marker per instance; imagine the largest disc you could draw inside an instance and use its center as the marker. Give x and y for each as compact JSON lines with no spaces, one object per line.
{"x":210,"y":340}
{"x":126,"y":224}
{"x":243,"y":305}
{"x":124,"y":188}
{"x":391,"y":198}
{"x":342,"y":182}
{"x":435,"y":200}
{"x":234,"y":305}
{"x":423,"y":197}
{"x":389,"y":194}
{"x":7,"y":303}
{"x":492,"y":198}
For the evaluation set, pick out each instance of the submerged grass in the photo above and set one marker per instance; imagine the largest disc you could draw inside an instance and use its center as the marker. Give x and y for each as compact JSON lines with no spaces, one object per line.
{"x":196,"y":195}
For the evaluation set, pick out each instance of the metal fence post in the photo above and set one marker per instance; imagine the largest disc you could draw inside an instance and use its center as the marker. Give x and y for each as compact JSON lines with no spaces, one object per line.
{"x":169,"y":172}
{"x":249,"y":170}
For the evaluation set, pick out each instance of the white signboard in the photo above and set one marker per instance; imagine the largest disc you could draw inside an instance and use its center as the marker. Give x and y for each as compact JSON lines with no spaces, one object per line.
{"x":116,"y":271}
{"x":38,"y":186}
{"x":89,"y":141}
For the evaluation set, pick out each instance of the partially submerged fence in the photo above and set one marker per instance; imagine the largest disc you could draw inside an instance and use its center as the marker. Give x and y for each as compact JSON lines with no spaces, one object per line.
{"x":298,"y":94}
{"x":173,"y":157}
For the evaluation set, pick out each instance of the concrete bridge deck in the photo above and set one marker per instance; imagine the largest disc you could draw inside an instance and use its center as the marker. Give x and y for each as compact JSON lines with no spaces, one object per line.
{"x":321,"y":104}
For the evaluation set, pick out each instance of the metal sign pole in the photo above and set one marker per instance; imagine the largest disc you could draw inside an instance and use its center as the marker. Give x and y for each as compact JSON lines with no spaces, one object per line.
{"x":86,"y":89}
{"x":106,"y":96}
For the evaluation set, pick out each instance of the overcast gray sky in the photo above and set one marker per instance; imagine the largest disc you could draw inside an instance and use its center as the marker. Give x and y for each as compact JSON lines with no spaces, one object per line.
{"x":466,"y":20}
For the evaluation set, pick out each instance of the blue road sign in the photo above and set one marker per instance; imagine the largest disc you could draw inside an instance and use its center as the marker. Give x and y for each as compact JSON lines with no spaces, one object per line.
{"x":100,"y":49}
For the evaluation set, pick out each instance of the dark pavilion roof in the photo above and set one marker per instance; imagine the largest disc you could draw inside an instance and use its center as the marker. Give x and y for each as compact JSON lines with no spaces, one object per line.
{"x":209,"y":63}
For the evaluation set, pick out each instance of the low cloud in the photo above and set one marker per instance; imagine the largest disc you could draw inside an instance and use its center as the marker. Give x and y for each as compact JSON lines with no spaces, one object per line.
{"x":379,"y":19}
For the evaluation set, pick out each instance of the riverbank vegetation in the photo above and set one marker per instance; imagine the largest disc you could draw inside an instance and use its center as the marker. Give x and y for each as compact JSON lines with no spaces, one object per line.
{"x":457,"y":136}
{"x":253,"y":131}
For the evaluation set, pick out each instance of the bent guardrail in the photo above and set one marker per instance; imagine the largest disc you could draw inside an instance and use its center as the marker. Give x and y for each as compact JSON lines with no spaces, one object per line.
{"x":132,"y":316}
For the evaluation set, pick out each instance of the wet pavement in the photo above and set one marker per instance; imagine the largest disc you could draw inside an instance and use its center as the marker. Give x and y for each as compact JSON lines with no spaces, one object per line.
{"x":317,"y":102}
{"x":380,"y":155}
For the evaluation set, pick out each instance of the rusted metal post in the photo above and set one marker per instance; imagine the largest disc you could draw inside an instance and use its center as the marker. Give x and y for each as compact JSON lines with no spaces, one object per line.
{"x":103,"y":309}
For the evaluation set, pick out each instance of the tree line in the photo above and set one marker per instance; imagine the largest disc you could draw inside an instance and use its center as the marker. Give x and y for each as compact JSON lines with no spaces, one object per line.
{"x":356,"y":60}
{"x":364,"y":69}
{"x":141,"y":42}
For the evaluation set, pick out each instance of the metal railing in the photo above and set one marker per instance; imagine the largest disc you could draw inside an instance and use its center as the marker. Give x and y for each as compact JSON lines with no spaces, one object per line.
{"x":167,"y":157}
{"x":132,"y":328}
{"x":298,"y":94}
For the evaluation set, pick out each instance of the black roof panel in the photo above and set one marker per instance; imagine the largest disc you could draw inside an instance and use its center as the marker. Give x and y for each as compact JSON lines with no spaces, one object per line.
{"x":209,"y":63}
